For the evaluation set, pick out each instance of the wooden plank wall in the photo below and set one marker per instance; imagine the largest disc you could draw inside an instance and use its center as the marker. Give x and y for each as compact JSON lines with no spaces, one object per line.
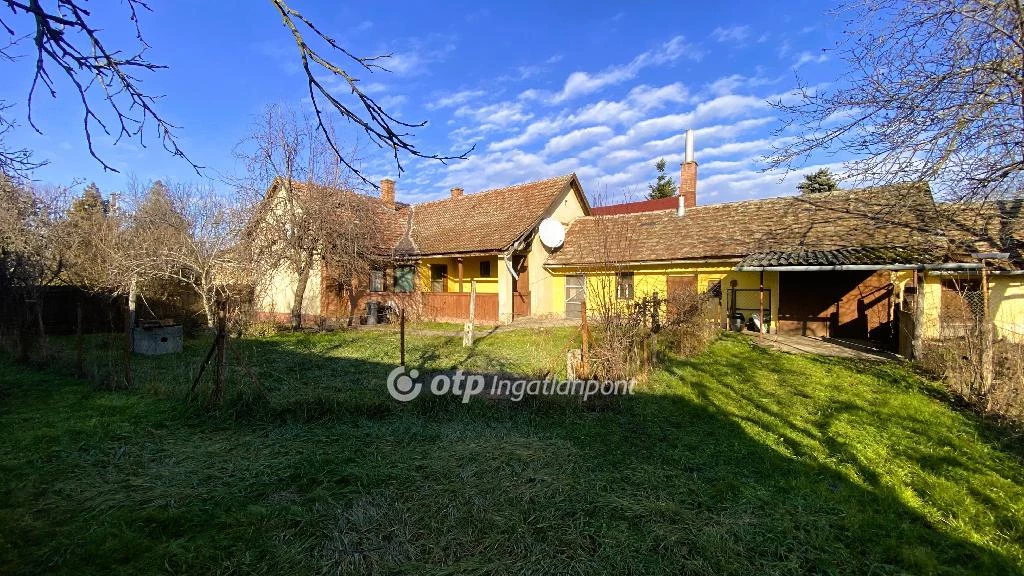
{"x":454,"y":306}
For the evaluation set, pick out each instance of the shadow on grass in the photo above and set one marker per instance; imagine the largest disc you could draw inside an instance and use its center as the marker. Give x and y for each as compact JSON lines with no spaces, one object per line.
{"x":726,"y":474}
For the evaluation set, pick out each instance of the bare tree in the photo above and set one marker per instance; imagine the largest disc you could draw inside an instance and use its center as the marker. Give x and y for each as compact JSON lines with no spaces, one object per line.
{"x":308,"y":213}
{"x":186,"y":234}
{"x":105,"y":79}
{"x":933,"y":91}
{"x":29,"y":258}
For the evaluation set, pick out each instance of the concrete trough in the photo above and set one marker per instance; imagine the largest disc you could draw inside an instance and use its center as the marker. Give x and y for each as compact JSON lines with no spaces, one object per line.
{"x":156,"y":340}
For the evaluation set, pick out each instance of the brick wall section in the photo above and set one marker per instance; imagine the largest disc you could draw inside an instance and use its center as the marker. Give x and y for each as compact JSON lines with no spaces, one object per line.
{"x":688,"y":184}
{"x":387,"y":192}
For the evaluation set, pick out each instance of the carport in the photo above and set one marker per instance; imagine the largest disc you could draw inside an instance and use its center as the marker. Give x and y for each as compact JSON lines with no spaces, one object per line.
{"x":846,"y":293}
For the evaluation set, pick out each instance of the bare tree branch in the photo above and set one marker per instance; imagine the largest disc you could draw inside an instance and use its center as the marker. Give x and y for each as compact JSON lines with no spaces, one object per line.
{"x":63,"y":39}
{"x":933,"y":91}
{"x":383,"y":129}
{"x":67,"y":46}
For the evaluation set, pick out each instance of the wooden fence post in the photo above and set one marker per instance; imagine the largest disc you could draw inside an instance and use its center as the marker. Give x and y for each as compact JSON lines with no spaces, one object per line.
{"x":917,"y":339}
{"x":78,"y":337}
{"x":987,"y":344}
{"x":129,"y":334}
{"x":222,"y":336}
{"x":585,"y":332}
{"x":401,"y":336}
{"x":467,"y":336}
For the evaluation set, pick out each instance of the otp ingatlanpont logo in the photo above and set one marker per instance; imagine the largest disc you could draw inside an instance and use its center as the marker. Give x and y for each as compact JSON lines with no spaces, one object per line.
{"x":403,"y":387}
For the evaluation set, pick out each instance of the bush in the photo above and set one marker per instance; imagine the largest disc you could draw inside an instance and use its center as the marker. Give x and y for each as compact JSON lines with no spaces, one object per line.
{"x":627,"y":334}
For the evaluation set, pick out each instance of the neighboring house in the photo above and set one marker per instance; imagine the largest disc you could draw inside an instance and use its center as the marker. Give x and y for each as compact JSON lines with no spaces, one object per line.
{"x":440,"y":248}
{"x":839,"y":264}
{"x":992,"y":228}
{"x":829,"y":265}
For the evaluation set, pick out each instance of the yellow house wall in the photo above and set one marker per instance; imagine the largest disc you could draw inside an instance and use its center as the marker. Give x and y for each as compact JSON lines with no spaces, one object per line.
{"x":547,"y":290}
{"x":280,"y":292}
{"x":470,"y":271}
{"x":1007,"y":301}
{"x":932,"y":288}
{"x":648,"y":279}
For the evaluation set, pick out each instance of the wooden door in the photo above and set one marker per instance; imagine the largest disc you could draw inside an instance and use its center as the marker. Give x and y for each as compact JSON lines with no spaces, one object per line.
{"x":521,"y":289}
{"x":438,"y":277}
{"x":575,"y":295}
{"x":682,"y":293}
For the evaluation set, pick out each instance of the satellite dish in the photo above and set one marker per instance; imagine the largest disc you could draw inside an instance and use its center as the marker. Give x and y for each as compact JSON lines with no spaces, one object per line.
{"x":552,"y":233}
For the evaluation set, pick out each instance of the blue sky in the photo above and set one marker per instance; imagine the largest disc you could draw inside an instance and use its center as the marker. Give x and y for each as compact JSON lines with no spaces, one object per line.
{"x":540,"y":88}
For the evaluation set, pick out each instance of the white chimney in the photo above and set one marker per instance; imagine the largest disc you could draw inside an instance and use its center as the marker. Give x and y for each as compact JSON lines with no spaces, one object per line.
{"x":680,"y":206}
{"x":689,"y":146}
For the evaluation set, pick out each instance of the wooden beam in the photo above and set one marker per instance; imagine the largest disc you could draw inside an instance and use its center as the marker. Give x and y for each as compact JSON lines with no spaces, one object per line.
{"x":460,"y":273}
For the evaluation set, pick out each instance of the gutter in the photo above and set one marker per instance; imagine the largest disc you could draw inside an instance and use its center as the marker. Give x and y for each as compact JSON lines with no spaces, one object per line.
{"x":644,"y":263}
{"x":858,"y":267}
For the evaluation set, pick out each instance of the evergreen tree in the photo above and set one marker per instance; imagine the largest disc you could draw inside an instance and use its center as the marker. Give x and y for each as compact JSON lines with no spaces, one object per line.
{"x":84,"y":235}
{"x":818,"y":182}
{"x":664,"y":186}
{"x":90,"y":202}
{"x":158,"y":215}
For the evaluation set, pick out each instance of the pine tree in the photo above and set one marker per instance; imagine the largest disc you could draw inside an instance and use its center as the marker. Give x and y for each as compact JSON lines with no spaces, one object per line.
{"x":85,"y":237}
{"x":818,"y":182}
{"x":89,"y":203}
{"x":664,"y":186}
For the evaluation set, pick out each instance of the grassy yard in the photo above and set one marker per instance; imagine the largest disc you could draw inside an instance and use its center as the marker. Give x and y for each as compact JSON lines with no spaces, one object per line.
{"x":739,"y":461}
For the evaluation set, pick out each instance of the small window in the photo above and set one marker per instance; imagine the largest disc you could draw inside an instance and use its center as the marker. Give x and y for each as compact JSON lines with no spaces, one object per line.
{"x":624,"y":286}
{"x":714,"y":289}
{"x":376,"y":280}
{"x":405,"y":278}
{"x":485,"y":268}
{"x":438,"y":277}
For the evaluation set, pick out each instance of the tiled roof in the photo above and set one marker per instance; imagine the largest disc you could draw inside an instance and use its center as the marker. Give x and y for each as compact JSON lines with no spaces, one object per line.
{"x":669,"y":203}
{"x":487,"y":221}
{"x":390,"y":223}
{"x":873,"y":217}
{"x":992,"y":226}
{"x":852,"y":256}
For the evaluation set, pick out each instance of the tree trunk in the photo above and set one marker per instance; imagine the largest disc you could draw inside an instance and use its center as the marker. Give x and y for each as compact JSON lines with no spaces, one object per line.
{"x":305,"y":267}
{"x":208,"y":310}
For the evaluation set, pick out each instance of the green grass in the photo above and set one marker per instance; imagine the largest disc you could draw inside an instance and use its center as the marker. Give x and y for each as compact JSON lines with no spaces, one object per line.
{"x":740,"y":461}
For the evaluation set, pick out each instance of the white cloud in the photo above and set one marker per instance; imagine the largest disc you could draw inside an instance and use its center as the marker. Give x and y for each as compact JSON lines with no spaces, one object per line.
{"x":391,"y":102}
{"x":501,"y":115}
{"x":576,"y":138}
{"x":806,"y":57}
{"x":735,"y":34}
{"x":496,"y":169}
{"x":455,"y":99}
{"x":649,"y":98}
{"x":783,"y":49}
{"x":417,"y":54}
{"x":373,"y":87}
{"x":736,"y":82}
{"x":582,"y":83}
{"x":535,"y":130}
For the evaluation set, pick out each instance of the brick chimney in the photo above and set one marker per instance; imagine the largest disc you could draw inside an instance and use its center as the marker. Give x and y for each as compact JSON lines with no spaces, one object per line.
{"x":456,"y":192}
{"x":688,"y":176}
{"x":387,"y":192}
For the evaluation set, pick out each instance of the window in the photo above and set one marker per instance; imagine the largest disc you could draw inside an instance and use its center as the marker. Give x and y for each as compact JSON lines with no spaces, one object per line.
{"x":438,"y":277}
{"x":624,"y":285}
{"x":485,"y":268}
{"x":405,"y":278}
{"x":714,"y":289}
{"x":376,"y":280}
